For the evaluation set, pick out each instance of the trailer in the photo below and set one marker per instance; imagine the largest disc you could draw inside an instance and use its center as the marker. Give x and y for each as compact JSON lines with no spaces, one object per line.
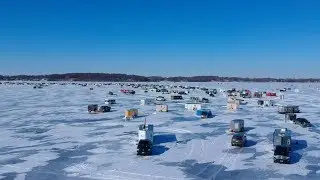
{"x":162,"y":108}
{"x":145,"y":132}
{"x":193,"y":106}
{"x":237,"y":125}
{"x":282,"y":137}
{"x":288,"y":109}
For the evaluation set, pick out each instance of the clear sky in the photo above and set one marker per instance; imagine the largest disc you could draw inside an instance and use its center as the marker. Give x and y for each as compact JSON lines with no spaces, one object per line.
{"x":249,"y":38}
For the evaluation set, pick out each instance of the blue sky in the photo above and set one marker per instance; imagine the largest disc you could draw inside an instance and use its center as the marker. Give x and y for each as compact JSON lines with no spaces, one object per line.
{"x":247,"y":38}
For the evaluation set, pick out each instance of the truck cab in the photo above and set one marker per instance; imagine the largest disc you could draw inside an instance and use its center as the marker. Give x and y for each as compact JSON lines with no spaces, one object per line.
{"x":238,"y":139}
{"x":281,"y":155}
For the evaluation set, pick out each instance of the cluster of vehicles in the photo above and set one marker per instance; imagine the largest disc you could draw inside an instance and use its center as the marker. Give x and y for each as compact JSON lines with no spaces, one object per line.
{"x":282,"y":144}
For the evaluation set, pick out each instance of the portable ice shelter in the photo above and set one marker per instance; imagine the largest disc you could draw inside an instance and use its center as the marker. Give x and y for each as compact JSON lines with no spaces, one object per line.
{"x":282,"y":137}
{"x":288,"y":109}
{"x":93,"y":108}
{"x":131,"y":113}
{"x":237,"y":125}
{"x":104,"y":109}
{"x":146,"y":132}
{"x":204,"y":113}
{"x":147,"y":101}
{"x":162,"y":108}
{"x":193,"y":106}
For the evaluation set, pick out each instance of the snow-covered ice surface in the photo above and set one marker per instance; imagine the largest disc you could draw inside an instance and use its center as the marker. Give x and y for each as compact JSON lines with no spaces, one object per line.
{"x":48,"y":134}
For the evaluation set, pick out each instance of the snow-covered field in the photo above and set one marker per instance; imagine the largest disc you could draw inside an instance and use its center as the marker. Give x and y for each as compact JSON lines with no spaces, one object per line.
{"x":48,"y":134}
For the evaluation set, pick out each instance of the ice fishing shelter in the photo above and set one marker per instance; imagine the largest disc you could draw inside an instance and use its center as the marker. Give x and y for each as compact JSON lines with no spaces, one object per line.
{"x":193,"y":106}
{"x":147,"y":101}
{"x":282,"y":137}
{"x":204,"y":113}
{"x":288,"y":109}
{"x":131,"y":113}
{"x":237,"y":125}
{"x":93,"y":108}
{"x":162,"y":108}
{"x":145,"y":132}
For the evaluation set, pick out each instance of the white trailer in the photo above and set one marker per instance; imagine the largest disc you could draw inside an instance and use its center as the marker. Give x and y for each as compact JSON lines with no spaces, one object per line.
{"x":145,"y":132}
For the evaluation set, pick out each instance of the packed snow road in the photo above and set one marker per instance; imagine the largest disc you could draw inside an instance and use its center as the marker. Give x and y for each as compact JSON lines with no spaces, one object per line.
{"x":49,"y":134}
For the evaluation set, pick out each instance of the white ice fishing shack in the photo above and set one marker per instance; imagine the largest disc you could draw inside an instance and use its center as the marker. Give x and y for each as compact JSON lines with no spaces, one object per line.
{"x":147,"y":101}
{"x":162,"y":108}
{"x":145,"y":132}
{"x":193,"y":106}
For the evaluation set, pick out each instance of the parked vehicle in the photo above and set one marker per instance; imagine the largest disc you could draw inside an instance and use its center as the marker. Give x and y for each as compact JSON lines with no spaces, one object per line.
{"x":204,"y":100}
{"x":160,"y":98}
{"x":93,"y":108}
{"x":144,"y":148}
{"x":147,"y":101}
{"x":204,"y":113}
{"x":176,"y":97}
{"x":281,"y":155}
{"x":238,"y":139}
{"x":104,"y":109}
{"x":302,"y":122}
{"x":110,"y":101}
{"x":291,"y":116}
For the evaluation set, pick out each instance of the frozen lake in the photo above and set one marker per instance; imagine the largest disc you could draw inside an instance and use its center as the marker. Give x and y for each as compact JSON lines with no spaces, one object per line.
{"x":48,"y":134}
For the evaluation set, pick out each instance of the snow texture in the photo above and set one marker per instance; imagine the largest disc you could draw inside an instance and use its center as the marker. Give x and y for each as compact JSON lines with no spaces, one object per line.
{"x":47,"y":134}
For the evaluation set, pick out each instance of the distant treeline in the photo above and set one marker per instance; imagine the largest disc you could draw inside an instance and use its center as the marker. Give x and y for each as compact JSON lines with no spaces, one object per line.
{"x":136,"y":78}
